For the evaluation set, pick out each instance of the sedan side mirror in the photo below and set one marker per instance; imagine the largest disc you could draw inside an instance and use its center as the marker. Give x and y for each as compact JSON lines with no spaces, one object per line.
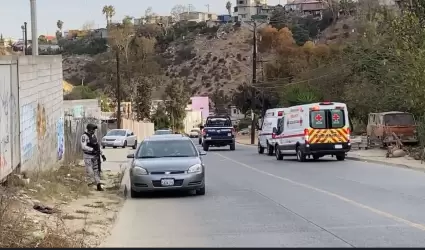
{"x":130,"y":156}
{"x":202,"y":153}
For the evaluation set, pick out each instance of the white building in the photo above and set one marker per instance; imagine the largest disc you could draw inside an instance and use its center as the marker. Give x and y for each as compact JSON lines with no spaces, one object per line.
{"x":245,"y":9}
{"x":196,"y":16}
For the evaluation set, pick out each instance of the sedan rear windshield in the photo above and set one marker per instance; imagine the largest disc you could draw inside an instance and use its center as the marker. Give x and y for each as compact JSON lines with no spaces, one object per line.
{"x":327,"y":119}
{"x":163,"y":132}
{"x":218,"y":122}
{"x":116,"y":132}
{"x":167,"y":148}
{"x":399,"y":120}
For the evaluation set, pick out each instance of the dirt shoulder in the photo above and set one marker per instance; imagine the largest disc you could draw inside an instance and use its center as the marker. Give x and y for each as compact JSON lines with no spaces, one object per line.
{"x":58,"y":209}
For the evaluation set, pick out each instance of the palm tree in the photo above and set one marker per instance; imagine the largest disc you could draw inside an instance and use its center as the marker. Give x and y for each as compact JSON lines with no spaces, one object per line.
{"x":109,"y":12}
{"x":105,"y":11}
{"x":59,"y":24}
{"x":229,"y":7}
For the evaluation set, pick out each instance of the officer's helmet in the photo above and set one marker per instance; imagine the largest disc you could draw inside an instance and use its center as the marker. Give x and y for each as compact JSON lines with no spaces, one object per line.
{"x":91,"y":127}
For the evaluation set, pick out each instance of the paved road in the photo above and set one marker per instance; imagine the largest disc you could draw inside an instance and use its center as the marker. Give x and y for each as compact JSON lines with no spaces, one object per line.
{"x":256,"y":201}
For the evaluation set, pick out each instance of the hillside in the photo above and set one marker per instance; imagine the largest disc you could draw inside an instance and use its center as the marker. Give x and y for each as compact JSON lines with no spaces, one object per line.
{"x":221,"y":59}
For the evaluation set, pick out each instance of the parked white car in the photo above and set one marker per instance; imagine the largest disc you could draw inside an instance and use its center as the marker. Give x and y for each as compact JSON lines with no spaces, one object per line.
{"x":119,"y":138}
{"x":194,"y":133}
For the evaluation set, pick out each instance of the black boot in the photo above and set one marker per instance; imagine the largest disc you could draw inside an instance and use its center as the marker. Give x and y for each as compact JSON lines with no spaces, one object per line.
{"x":99,"y":187}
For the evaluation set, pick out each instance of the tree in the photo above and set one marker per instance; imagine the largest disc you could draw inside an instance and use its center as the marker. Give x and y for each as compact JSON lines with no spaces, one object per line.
{"x":42,"y":39}
{"x":88,"y":25}
{"x":109,"y":12}
{"x":139,"y":71}
{"x":127,"y":20}
{"x":1,"y":40}
{"x":59,"y":24}
{"x":229,"y":7}
{"x":177,"y":96}
{"x":81,"y":92}
{"x":160,"y":117}
{"x":176,"y":11}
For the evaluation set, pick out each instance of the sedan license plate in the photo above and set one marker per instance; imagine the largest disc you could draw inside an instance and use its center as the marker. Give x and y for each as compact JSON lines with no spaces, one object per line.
{"x":338,"y":146}
{"x":167,"y":182}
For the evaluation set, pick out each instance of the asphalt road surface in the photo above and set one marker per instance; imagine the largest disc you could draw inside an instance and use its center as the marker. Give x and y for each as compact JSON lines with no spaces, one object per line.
{"x":256,"y":201}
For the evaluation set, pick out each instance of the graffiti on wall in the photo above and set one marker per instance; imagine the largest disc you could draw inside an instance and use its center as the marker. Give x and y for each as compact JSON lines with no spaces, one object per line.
{"x":60,"y":138}
{"x":78,"y":111}
{"x":5,"y":100}
{"x":29,"y":131}
{"x":41,"y":121}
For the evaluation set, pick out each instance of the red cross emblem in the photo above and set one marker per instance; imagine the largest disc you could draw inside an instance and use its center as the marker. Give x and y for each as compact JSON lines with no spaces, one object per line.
{"x":318,"y":118}
{"x":335,"y":117}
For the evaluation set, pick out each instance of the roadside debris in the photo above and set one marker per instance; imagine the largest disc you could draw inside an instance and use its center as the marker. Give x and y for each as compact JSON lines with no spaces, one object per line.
{"x":57,"y":209}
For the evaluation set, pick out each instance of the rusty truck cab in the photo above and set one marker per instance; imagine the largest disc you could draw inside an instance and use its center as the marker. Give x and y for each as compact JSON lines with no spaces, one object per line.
{"x":381,"y":126}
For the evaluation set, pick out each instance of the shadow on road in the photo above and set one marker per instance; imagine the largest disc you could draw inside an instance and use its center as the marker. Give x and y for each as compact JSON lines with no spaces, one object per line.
{"x":166,"y":194}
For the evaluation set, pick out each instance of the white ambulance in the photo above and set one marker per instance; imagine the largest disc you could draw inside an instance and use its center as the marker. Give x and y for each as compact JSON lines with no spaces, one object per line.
{"x":316,"y":130}
{"x":265,"y":134}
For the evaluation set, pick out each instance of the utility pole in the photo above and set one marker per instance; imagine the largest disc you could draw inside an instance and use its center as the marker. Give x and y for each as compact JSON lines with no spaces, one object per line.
{"x":34,"y":27}
{"x":25,"y":38}
{"x":208,"y":6}
{"x":254,"y":81}
{"x":118,"y":90}
{"x":263,"y":101}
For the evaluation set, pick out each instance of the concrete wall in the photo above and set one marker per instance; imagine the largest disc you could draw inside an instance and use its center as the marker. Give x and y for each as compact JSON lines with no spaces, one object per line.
{"x":41,"y":111}
{"x":82,"y":108}
{"x":9,"y":116}
{"x":192,"y":120}
{"x":140,"y":129}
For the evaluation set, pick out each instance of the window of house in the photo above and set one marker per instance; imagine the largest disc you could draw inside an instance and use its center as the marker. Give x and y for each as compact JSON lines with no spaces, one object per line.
{"x":234,"y":111}
{"x":241,"y":2}
{"x":243,"y":15}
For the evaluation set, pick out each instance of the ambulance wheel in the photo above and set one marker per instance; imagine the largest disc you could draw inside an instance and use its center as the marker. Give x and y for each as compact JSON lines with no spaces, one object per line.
{"x":270,"y":149}
{"x":340,"y":157}
{"x":301,"y":156}
{"x":279,"y":155}
{"x":260,"y":149}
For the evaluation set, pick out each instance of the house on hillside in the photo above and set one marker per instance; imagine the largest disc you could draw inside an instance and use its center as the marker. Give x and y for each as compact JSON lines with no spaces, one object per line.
{"x":100,"y":33}
{"x":307,"y":7}
{"x":160,"y":20}
{"x":197,"y":16}
{"x":247,"y":10}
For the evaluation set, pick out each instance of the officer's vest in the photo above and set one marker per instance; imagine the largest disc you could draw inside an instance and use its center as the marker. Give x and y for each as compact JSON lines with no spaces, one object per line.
{"x":93,"y":143}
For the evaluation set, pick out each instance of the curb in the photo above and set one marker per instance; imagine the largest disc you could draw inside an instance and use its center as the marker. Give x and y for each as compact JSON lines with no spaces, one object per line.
{"x":384,"y":163}
{"x":125,"y":179}
{"x":353,"y":158}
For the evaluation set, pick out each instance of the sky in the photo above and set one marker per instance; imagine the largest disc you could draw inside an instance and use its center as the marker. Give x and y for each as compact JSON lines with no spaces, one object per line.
{"x":77,"y":12}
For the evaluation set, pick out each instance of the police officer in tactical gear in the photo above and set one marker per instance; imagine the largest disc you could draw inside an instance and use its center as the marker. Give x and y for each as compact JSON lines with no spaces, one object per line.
{"x":92,"y":154}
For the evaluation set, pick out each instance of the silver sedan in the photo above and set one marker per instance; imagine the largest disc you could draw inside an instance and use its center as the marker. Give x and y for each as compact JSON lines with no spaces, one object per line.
{"x":167,"y":163}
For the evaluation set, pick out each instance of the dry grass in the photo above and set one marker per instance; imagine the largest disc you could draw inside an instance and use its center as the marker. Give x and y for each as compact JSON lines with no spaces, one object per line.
{"x":17,"y":230}
{"x":63,"y":184}
{"x":23,"y":227}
